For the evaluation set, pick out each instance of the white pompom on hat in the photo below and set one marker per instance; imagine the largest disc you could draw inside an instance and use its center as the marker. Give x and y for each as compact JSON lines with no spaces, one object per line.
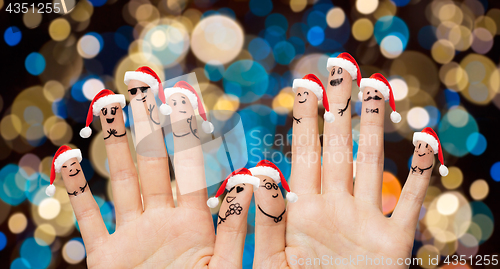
{"x":380,"y":83}
{"x":269,"y":169}
{"x":430,"y":137}
{"x":147,"y":75}
{"x":188,"y":90}
{"x":239,"y":176}
{"x":101,"y":99}
{"x":63,"y":154}
{"x":312,"y":83}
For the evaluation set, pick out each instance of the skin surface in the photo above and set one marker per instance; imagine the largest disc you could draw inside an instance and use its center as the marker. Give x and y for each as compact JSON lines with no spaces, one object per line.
{"x":232,"y":229}
{"x":151,"y":232}
{"x":334,"y":217}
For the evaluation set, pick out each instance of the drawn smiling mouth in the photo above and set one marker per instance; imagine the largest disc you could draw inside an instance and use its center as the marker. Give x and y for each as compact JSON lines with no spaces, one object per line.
{"x":77,"y":171}
{"x":180,"y":111}
{"x":229,"y":199}
{"x":110,"y":120}
{"x":275,"y":196}
{"x":180,"y":135}
{"x":421,"y":155}
{"x":303,"y":101}
{"x":336,"y":82}
{"x":143,"y":99}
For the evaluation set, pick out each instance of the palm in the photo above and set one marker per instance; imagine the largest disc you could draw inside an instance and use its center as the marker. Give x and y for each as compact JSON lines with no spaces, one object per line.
{"x":348,"y":228}
{"x":165,"y":238}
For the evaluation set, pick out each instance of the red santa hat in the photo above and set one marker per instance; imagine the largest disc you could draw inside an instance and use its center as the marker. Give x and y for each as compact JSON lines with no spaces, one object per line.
{"x":239,"y":176}
{"x":430,"y":137}
{"x":63,"y":154}
{"x":347,"y":62}
{"x":312,"y":83}
{"x":269,"y":169}
{"x":380,"y":83}
{"x":188,"y":90}
{"x":148,"y":76}
{"x":101,"y":99}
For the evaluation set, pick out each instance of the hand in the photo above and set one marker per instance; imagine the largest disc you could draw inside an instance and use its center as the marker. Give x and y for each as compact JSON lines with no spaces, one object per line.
{"x":333,"y":217}
{"x":150,"y":231}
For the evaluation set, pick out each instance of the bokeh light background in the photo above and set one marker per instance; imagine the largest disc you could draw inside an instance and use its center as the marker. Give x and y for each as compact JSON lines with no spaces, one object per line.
{"x":439,"y":56}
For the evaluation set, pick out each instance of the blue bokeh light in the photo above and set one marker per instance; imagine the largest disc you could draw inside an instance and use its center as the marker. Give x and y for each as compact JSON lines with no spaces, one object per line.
{"x":246,"y":79}
{"x":35,"y":63}
{"x":97,"y":3}
{"x":284,"y":52}
{"x":12,"y":36}
{"x":391,"y":25}
{"x":495,"y":171}
{"x":38,"y":257}
{"x":427,"y":36}
{"x":3,"y":241}
{"x":400,"y":3}
{"x":315,"y":36}
{"x":214,"y":71}
{"x":476,"y":143}
{"x":259,"y":48}
{"x":277,"y":19}
{"x":261,"y":7}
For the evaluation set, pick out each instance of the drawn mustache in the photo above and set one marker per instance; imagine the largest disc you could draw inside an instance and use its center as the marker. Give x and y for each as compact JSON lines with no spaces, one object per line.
{"x":376,"y":97}
{"x":336,"y":82}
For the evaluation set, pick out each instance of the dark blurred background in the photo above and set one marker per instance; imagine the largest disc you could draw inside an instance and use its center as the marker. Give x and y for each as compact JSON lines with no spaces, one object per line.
{"x":441,"y":58}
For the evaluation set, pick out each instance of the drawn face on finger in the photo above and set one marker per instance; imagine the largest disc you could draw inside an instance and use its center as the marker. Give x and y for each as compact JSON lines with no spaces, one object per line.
{"x":72,"y":175}
{"x":112,"y":121}
{"x":423,"y":149}
{"x":372,"y":94}
{"x":236,"y":198}
{"x":306,"y":104}
{"x":182,"y":116}
{"x":338,"y":76}
{"x":270,"y":201}
{"x":142,"y":99}
{"x":423,"y":158}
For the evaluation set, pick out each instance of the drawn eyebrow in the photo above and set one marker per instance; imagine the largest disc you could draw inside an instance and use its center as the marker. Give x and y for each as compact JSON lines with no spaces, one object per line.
{"x":174,"y":100}
{"x":72,"y":163}
{"x":183,"y":97}
{"x":64,"y":166}
{"x":264,"y":180}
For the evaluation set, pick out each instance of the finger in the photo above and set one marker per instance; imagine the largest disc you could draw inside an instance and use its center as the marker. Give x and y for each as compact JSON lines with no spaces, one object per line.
{"x":306,"y":149}
{"x":152,"y":159}
{"x":124,"y":183}
{"x":370,"y":158}
{"x":410,"y":202}
{"x":337,"y":139}
{"x":232,"y":225}
{"x":188,"y":161}
{"x":87,"y":213}
{"x":270,"y":222}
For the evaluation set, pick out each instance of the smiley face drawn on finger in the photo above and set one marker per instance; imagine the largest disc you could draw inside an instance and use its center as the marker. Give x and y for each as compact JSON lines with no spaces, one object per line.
{"x":423,"y":150}
{"x":109,"y":113}
{"x":305,"y":94}
{"x":271,"y":189}
{"x":336,"y":76}
{"x":72,"y":169}
{"x":142,"y":90}
{"x":373,"y":94}
{"x":271,"y":186}
{"x":182,"y":109}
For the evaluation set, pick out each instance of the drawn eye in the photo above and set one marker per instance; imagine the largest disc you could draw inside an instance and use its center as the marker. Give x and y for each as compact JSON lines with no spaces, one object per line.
{"x":104,"y":111}
{"x":333,"y":71}
{"x":306,"y":93}
{"x":427,"y":146}
{"x":298,"y":94}
{"x":175,"y":103}
{"x":144,"y":89}
{"x":419,"y":145}
{"x":183,"y":102}
{"x":268,"y":185}
{"x":368,"y":93}
{"x":113,"y":110}
{"x":376,"y":91}
{"x":133,"y":91}
{"x":339,"y":71}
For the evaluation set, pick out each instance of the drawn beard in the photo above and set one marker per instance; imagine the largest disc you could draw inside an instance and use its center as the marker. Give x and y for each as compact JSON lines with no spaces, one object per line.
{"x":336,"y":82}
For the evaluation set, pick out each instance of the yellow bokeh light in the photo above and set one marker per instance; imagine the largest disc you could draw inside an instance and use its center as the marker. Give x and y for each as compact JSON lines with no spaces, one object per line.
{"x":33,"y":18}
{"x":335,"y":17}
{"x":10,"y":127}
{"x":59,"y":29}
{"x":45,"y":234}
{"x":418,"y":118}
{"x":283,"y":102}
{"x":443,"y":51}
{"x":53,"y":90}
{"x":479,"y":189}
{"x":49,"y":208}
{"x":447,"y":204}
{"x":82,"y":11}
{"x":17,"y":223}
{"x":425,"y":252}
{"x":362,"y":29}
{"x":298,"y":5}
{"x":366,"y":6}
{"x":454,"y":178}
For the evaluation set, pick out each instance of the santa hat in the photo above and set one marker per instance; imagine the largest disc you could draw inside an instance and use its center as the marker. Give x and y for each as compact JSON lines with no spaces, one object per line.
{"x":312,"y":83}
{"x":148,"y":76}
{"x":188,"y":90}
{"x":430,"y":137}
{"x":347,"y":62}
{"x":101,"y":99}
{"x":267,"y":168}
{"x":379,"y":82}
{"x":239,"y":176}
{"x":63,"y":154}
